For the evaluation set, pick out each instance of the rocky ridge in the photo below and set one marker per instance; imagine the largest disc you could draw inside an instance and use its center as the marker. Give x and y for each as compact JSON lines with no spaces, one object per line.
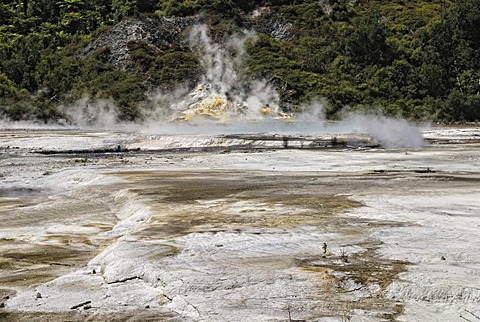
{"x":156,"y":32}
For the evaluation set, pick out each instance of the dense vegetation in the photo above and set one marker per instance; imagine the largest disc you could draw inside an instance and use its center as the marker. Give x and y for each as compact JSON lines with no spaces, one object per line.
{"x":418,"y":59}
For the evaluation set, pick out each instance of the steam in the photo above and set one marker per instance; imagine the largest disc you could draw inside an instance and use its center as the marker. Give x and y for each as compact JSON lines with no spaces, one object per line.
{"x":314,"y":112}
{"x":222,"y":63}
{"x":90,"y":113}
{"x":389,"y":132}
{"x":27,"y":125}
{"x":225,"y":79}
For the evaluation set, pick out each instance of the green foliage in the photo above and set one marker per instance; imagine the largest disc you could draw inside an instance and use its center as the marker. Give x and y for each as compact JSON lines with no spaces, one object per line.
{"x":180,"y":8}
{"x":164,"y":68}
{"x":420,"y":59}
{"x":101,"y":80}
{"x":461,"y":107}
{"x":8,"y":90}
{"x":367,"y":43}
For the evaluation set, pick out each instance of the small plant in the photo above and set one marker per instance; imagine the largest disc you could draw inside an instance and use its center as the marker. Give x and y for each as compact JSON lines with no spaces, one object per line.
{"x":346,"y":316}
{"x":344,"y":256}
{"x":334,"y":141}
{"x":289,"y":314}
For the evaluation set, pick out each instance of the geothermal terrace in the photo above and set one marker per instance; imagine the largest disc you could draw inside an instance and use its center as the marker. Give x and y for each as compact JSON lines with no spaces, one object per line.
{"x":114,"y":225}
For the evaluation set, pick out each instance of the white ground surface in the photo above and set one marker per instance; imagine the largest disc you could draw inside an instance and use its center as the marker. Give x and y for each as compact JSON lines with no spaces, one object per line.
{"x":147,"y":254}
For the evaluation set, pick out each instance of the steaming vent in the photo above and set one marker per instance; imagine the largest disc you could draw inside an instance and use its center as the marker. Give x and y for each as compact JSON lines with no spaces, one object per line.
{"x":226,"y":95}
{"x":206,"y":103}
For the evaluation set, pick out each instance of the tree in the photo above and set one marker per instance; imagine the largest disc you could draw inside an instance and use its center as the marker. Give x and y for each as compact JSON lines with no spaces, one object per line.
{"x":366,"y":44}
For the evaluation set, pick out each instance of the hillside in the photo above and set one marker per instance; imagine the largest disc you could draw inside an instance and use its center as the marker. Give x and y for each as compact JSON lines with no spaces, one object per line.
{"x":417,"y":59}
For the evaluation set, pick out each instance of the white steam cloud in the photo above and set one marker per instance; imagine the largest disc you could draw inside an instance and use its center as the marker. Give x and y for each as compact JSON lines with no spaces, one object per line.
{"x":90,"y":113}
{"x":389,"y":132}
{"x":224,"y":78}
{"x":222,"y":63}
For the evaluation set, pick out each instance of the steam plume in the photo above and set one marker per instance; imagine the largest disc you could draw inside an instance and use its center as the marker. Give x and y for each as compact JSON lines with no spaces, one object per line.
{"x":224,"y":78}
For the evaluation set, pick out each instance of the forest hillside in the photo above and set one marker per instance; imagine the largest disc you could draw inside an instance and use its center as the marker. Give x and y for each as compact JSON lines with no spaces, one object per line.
{"x":416,"y":59}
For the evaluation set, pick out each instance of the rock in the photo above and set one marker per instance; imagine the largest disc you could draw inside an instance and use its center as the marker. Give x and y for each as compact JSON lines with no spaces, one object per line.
{"x":84,"y":304}
{"x":274,"y":25}
{"x":156,"y":32}
{"x":38,"y":296}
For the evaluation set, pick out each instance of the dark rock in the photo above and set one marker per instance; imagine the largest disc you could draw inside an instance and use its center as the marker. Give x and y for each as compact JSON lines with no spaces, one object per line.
{"x":84,"y":304}
{"x":157,"y":32}
{"x":272,"y":24}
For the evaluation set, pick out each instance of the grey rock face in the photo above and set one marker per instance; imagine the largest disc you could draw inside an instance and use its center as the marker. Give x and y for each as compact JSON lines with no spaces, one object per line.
{"x":158,"y":32}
